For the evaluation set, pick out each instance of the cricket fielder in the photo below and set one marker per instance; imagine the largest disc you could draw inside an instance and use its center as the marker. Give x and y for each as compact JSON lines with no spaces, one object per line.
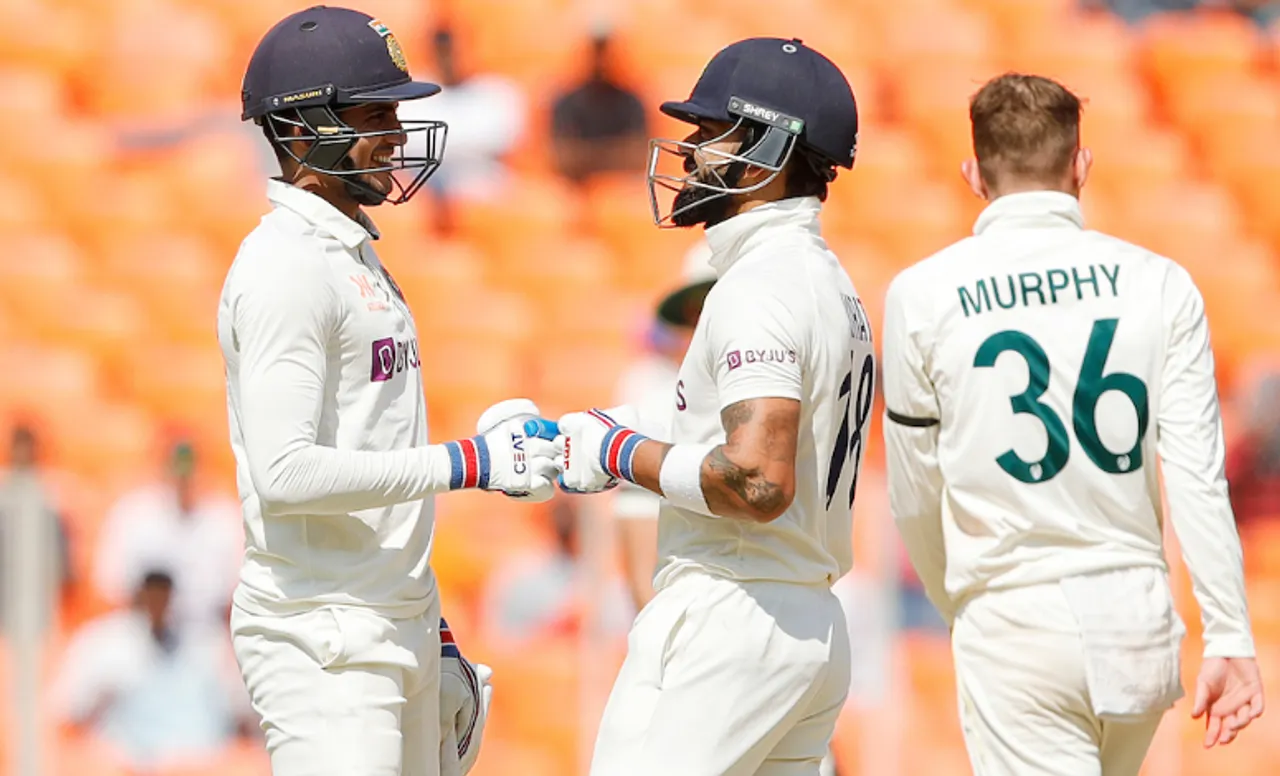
{"x":740,"y":663}
{"x":1037,"y":378}
{"x":336,"y":622}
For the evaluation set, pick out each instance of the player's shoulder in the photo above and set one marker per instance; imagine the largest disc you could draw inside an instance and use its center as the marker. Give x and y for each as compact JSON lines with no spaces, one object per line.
{"x":916,"y":283}
{"x":279,"y":253}
{"x":1152,"y":270}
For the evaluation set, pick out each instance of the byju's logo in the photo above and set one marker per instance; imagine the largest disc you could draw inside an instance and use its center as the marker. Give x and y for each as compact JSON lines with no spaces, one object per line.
{"x":391,"y":357}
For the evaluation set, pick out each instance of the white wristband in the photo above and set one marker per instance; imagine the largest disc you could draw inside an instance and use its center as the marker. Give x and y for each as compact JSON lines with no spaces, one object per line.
{"x":681,"y":477}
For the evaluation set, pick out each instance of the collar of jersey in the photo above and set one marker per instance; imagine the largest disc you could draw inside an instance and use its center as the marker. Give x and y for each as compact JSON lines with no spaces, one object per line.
{"x":1031,"y":208}
{"x":320,"y":214}
{"x":730,"y":240}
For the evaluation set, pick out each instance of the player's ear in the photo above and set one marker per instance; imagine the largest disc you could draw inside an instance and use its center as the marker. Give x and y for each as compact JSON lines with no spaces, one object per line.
{"x":1082,"y":164}
{"x":972,"y":175}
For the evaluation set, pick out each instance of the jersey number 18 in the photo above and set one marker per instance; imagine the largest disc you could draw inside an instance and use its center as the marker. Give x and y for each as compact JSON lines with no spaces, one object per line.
{"x":849,"y":437}
{"x":1090,"y":386}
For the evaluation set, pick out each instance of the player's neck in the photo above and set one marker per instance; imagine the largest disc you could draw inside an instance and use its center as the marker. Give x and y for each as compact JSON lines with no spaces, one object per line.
{"x":331,"y":191}
{"x":1007,"y":188}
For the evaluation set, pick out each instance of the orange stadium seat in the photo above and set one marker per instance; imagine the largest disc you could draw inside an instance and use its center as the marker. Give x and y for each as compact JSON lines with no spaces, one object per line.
{"x":438,"y":267}
{"x":188,"y":60}
{"x":550,"y":270}
{"x":1161,"y":215}
{"x":34,"y":93}
{"x":1139,"y":157}
{"x":178,"y":384}
{"x":176,"y":277}
{"x":1177,"y":48}
{"x":887,"y":156}
{"x":475,"y":312}
{"x":21,"y":22}
{"x":1249,"y":165}
{"x":1061,"y":45}
{"x":533,"y":676}
{"x":935,"y":105}
{"x":572,"y":377}
{"x":1226,"y":105}
{"x":111,"y":442}
{"x":1015,"y":19}
{"x":932,"y":40}
{"x":528,"y":207}
{"x":912,"y":219}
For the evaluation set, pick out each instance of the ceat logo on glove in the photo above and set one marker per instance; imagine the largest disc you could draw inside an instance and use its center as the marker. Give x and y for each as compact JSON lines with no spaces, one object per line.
{"x":519,"y":463}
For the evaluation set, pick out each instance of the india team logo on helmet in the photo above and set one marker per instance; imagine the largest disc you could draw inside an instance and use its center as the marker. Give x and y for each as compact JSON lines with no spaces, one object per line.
{"x":393,"y":46}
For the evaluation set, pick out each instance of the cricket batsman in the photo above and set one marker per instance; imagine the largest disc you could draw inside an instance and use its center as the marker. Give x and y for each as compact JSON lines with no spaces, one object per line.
{"x":740,"y":663}
{"x":336,"y":620}
{"x":1038,"y":378}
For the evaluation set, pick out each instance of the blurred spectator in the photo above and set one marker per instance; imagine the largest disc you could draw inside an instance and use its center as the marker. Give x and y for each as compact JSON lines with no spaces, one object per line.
{"x":158,"y":695}
{"x":1253,"y":457}
{"x":539,"y":594}
{"x":486,"y":118}
{"x":198,"y":539}
{"x":23,"y":476}
{"x":649,"y":385}
{"x":598,"y":125}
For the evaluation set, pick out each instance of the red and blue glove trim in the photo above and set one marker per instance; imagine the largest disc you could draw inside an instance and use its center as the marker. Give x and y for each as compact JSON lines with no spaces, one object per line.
{"x":469,"y":463}
{"x":618,"y":449}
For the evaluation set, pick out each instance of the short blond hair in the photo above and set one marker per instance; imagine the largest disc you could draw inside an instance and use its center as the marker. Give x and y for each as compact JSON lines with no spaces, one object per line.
{"x":1024,"y":126}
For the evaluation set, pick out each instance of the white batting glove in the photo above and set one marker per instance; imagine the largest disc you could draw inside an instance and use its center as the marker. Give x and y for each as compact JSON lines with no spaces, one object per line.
{"x":502,"y":457}
{"x":597,"y":451}
{"x":465,"y":693}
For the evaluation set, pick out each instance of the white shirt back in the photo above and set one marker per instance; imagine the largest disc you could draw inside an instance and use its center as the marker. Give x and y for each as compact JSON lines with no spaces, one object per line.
{"x":1058,"y":366}
{"x":322,"y":355}
{"x":783,"y":321}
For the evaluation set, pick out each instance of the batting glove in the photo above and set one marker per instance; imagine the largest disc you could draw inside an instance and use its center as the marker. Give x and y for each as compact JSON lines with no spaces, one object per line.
{"x":597,"y":451}
{"x":465,"y":693}
{"x":503,"y":457}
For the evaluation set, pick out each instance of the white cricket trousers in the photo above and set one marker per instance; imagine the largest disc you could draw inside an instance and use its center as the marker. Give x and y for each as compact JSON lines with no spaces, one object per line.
{"x":727,"y":678}
{"x":1033,"y":667}
{"x":344,"y":691}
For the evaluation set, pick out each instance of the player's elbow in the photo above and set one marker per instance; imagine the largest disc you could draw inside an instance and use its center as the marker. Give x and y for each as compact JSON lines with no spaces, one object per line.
{"x":275,"y":484}
{"x":770,"y":500}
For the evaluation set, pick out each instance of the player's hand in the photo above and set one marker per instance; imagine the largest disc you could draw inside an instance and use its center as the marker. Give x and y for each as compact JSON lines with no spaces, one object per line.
{"x":465,"y":693}
{"x":1229,"y":696}
{"x":597,"y":451}
{"x":520,"y":466}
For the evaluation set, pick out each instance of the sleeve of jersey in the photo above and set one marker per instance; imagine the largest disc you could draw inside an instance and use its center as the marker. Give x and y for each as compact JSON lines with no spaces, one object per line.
{"x":284,"y":322}
{"x":756,"y":345}
{"x":911,"y":454}
{"x":1191,"y":448}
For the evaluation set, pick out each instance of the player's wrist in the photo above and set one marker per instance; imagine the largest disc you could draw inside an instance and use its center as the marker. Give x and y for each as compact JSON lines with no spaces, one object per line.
{"x":618,"y":452}
{"x":681,"y":477}
{"x":469,"y":463}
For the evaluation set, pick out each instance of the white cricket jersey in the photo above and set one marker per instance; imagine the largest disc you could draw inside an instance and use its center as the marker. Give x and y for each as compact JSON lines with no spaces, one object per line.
{"x":328,"y":420}
{"x":783,"y":321}
{"x":1036,"y":375}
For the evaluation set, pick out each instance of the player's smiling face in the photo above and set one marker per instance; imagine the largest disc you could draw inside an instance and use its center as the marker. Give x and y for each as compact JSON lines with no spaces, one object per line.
{"x":378,"y":151}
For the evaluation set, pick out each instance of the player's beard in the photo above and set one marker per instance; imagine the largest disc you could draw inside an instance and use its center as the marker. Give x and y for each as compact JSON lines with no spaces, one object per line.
{"x":362,"y":187}
{"x":706,"y":206}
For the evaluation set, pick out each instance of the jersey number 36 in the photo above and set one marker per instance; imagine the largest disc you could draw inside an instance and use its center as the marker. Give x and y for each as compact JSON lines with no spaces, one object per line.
{"x":1090,"y":386}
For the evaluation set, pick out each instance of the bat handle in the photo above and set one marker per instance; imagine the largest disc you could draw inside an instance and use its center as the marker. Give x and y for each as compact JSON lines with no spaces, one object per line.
{"x":542,"y":428}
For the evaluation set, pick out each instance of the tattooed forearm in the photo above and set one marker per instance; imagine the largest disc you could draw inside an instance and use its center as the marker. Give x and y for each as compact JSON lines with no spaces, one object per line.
{"x":727,"y":487}
{"x":752,"y":474}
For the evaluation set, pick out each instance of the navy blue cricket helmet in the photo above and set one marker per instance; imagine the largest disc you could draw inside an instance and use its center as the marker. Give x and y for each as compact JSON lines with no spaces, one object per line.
{"x":313,"y":64}
{"x":785,"y":94}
